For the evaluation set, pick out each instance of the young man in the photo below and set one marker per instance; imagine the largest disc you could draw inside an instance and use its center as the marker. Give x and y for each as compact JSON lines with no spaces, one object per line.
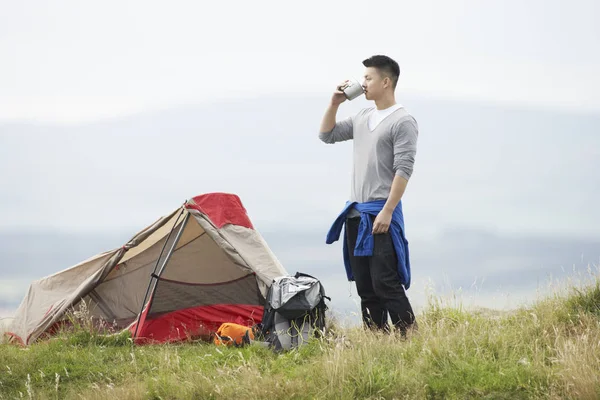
{"x":375,"y":248}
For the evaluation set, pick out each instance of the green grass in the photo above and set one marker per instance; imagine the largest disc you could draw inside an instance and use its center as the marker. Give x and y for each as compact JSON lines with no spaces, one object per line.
{"x":549,"y":350}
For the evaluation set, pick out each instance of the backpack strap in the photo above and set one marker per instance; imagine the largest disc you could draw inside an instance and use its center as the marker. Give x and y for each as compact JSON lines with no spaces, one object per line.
{"x":268,"y":319}
{"x":299,"y":274}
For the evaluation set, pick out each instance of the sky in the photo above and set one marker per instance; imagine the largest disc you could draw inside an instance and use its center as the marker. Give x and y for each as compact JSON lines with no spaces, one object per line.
{"x":112,"y":114}
{"x":73,"y":61}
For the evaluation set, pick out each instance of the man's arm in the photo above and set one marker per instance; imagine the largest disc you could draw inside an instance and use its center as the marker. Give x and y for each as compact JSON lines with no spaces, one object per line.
{"x":384,"y":218}
{"x":396,"y":192}
{"x":328,"y":122}
{"x":341,"y":131}
{"x":330,"y":130}
{"x":405,"y":148}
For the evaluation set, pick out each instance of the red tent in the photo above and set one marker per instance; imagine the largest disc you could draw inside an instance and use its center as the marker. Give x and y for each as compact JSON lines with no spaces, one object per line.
{"x":181,"y":277}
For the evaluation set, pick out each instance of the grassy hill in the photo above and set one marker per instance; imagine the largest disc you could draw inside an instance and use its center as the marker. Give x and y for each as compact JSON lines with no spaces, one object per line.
{"x":549,"y":350}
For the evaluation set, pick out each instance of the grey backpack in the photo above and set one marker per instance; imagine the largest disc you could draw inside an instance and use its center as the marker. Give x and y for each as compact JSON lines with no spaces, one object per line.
{"x":295,"y":311}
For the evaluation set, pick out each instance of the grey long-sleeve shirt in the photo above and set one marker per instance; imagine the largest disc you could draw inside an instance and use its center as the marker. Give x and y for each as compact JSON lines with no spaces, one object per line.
{"x":380,"y":154}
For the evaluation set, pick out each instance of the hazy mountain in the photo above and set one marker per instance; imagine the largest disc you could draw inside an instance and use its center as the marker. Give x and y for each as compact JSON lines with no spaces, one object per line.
{"x":500,"y":197}
{"x":477,"y":165}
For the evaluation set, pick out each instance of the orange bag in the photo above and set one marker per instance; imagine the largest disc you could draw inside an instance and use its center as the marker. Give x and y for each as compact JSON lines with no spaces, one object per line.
{"x":233,"y":334}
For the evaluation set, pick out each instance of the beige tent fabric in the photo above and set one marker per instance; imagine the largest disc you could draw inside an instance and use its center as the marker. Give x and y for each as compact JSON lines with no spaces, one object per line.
{"x":246,"y":248}
{"x":113,"y":284}
{"x":197,"y":259}
{"x":48,"y":298}
{"x":202,"y":261}
{"x":121,"y":294}
{"x":155,"y":235}
{"x":251,"y":246}
{"x":49,"y":295}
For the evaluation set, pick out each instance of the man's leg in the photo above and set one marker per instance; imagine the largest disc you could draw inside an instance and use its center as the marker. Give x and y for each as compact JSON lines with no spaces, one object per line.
{"x":386,"y":282}
{"x":373,"y":313}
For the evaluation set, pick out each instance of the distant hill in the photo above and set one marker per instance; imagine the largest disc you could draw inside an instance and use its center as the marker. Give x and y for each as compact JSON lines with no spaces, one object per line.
{"x":500,"y":196}
{"x":478,"y":165}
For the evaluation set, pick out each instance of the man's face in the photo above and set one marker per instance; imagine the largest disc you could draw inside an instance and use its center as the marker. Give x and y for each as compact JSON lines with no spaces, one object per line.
{"x":373,"y":84}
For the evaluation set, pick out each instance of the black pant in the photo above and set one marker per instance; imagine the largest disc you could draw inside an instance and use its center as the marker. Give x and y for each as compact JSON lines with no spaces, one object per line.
{"x":377,"y":281}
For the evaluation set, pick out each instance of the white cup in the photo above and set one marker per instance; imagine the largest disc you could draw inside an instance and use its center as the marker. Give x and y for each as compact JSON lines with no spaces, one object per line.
{"x":353,"y":89}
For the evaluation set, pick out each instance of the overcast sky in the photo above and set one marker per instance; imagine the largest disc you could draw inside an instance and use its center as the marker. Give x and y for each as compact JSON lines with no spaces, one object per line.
{"x":72,"y":61}
{"x":524,"y":168}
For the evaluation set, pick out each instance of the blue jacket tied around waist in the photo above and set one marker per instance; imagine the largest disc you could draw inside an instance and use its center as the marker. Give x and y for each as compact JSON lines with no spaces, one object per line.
{"x":364,"y":242}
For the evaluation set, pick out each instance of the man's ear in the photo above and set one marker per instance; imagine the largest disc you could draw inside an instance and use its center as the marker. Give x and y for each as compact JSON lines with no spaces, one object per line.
{"x":386,"y":82}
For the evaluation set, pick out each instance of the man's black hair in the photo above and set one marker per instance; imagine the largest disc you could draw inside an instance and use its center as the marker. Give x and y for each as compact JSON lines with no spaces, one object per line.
{"x":386,"y":66}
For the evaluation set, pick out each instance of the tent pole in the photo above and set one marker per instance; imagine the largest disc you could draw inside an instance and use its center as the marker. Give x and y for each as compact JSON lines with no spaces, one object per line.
{"x":154,"y":277}
{"x":170,"y":253}
{"x":154,"y":271}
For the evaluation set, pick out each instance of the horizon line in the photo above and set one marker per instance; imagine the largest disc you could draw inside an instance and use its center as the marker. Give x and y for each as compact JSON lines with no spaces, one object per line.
{"x":133,"y":112}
